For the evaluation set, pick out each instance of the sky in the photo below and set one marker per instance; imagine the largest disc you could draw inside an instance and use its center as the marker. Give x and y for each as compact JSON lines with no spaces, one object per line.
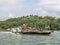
{"x":18,"y":8}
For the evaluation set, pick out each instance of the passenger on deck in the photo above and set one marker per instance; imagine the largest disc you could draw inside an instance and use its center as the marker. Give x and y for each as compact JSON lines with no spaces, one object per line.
{"x":25,"y":27}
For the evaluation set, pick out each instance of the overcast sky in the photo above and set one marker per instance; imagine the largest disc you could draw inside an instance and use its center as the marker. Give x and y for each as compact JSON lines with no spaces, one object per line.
{"x":17,"y":8}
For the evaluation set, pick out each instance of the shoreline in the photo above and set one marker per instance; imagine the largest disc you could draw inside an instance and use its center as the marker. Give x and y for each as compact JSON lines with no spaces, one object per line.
{"x":10,"y":31}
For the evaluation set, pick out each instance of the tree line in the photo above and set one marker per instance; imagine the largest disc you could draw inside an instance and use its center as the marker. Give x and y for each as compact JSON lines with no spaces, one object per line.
{"x":34,"y":21}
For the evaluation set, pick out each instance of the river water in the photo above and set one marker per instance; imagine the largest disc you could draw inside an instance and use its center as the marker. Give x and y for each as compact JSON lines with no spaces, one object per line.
{"x":8,"y":38}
